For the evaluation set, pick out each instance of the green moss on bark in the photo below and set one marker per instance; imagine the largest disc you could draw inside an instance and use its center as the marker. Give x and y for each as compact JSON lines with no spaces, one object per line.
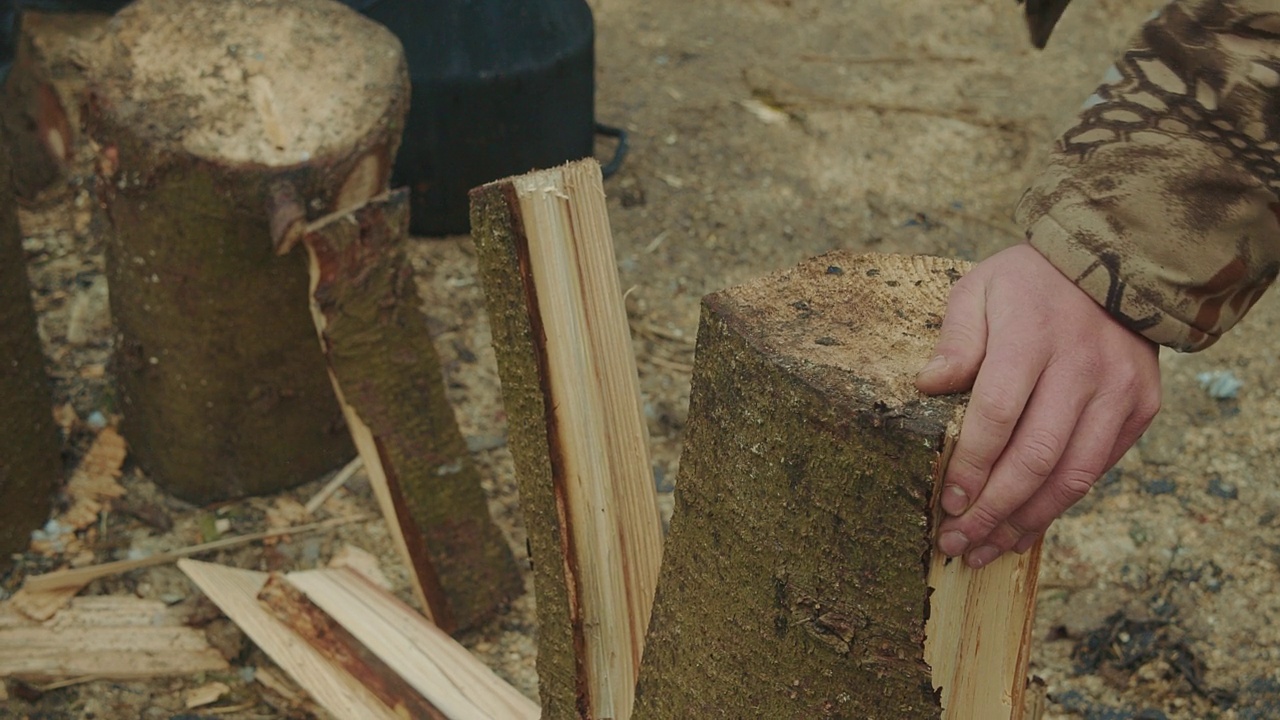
{"x":383,"y":358}
{"x":794,"y":582}
{"x":494,"y":213}
{"x":30,"y":465}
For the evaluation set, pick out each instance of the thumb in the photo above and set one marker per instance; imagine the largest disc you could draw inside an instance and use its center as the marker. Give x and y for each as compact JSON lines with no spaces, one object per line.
{"x":962,"y":343}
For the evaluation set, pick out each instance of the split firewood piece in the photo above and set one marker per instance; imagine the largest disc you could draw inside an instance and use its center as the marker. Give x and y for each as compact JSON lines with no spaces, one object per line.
{"x":119,"y":638}
{"x":44,"y":94}
{"x":578,"y":434}
{"x":447,"y":675}
{"x":387,"y":376}
{"x":235,"y":592}
{"x":288,"y":605}
{"x":205,"y":115}
{"x":30,"y":459}
{"x":800,"y":577}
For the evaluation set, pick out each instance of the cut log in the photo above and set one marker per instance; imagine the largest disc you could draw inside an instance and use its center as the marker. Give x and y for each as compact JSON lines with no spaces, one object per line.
{"x":800,"y":571}
{"x":388,"y":379}
{"x":30,"y":461}
{"x":444,"y":672}
{"x":203,"y":112}
{"x":577,"y":431}
{"x":107,"y":637}
{"x":44,"y":94}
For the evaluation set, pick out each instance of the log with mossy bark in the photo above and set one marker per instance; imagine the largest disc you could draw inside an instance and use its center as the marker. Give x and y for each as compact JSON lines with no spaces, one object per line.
{"x":578,"y":436}
{"x":800,"y":578}
{"x":30,"y":463}
{"x":223,"y":128}
{"x":388,"y":379}
{"x":43,"y":96}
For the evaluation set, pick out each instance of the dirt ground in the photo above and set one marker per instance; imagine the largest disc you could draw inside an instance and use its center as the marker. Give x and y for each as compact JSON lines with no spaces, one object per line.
{"x":765,"y":132}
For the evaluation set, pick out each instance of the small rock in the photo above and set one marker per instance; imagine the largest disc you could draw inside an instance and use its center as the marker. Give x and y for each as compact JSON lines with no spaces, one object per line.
{"x":1160,"y":486}
{"x":1224,"y":490}
{"x":1220,"y":384}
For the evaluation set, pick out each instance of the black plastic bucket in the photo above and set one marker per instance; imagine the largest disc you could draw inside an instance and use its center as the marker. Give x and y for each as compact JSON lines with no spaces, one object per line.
{"x":500,"y":87}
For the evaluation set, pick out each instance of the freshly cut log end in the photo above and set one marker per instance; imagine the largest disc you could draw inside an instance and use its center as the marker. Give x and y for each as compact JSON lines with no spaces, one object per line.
{"x":223,"y":392}
{"x":387,"y":375}
{"x":30,"y":463}
{"x":797,"y":580}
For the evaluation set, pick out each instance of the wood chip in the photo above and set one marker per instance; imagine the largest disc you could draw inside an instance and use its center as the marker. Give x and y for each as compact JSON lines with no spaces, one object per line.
{"x":361,"y":562}
{"x":206,"y":694}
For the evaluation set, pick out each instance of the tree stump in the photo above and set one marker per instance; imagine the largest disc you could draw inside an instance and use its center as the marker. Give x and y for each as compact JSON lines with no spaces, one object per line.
{"x":223,"y":128}
{"x":44,"y":95}
{"x":30,"y":464}
{"x":799,"y":578}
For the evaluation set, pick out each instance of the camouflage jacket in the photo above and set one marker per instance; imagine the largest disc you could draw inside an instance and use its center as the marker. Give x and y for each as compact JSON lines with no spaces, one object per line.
{"x":1161,"y":202}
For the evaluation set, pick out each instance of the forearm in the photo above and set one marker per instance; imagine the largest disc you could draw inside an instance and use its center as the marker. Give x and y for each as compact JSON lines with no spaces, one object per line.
{"x":1161,"y":202}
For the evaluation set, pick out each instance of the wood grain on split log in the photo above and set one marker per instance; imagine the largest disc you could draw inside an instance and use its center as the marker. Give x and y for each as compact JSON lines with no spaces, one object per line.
{"x":388,"y":379}
{"x":235,"y":592}
{"x":120,"y":638}
{"x":434,"y":664}
{"x":578,"y":436}
{"x":203,"y":112}
{"x":800,"y":570}
{"x":292,"y":608}
{"x":30,"y":460}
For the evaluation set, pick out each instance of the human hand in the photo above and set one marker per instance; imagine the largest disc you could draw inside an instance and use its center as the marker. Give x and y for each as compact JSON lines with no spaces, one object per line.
{"x":1060,"y":391}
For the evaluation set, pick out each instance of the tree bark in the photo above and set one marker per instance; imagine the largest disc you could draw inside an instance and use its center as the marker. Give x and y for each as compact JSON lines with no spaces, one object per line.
{"x":799,"y":569}
{"x":44,"y":95}
{"x":578,"y":436}
{"x":203,"y":112}
{"x":30,"y":464}
{"x":388,"y":378}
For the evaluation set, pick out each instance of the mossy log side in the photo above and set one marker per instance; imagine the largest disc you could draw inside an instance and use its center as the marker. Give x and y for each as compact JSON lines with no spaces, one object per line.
{"x":43,"y":96}
{"x":799,"y":568}
{"x":30,"y":464}
{"x":223,"y":128}
{"x":388,"y":377}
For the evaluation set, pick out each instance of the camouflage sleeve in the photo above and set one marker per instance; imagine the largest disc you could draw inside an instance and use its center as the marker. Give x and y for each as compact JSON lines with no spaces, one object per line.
{"x":1161,"y":202}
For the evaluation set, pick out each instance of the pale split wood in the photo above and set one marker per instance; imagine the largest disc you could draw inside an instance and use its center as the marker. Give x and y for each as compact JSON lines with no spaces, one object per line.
{"x":235,"y":592}
{"x":308,"y":621}
{"x":445,"y":673}
{"x":104,"y":637}
{"x":978,"y":637}
{"x":594,"y":387}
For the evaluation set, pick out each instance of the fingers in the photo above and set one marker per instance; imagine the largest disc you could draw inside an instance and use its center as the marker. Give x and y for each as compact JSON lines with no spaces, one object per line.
{"x":1017,"y":470}
{"x":1100,"y":439}
{"x":961,"y":344}
{"x":1008,"y":376}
